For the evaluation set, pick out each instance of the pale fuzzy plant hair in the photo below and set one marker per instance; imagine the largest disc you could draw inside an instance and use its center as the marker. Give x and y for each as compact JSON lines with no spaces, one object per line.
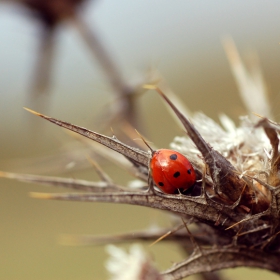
{"x":134,"y":264}
{"x":244,"y":146}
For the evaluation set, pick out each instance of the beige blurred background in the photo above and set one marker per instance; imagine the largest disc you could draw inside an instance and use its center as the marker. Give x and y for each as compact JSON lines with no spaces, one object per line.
{"x":182,"y":39}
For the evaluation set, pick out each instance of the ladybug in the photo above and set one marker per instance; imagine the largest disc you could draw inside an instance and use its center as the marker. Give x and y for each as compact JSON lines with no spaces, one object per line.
{"x":171,"y":171}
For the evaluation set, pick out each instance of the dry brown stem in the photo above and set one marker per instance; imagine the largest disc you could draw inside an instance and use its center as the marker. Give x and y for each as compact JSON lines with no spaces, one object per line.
{"x":236,"y":215}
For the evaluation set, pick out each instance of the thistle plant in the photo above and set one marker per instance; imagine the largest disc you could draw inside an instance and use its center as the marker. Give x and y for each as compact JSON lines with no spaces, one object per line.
{"x":230,"y":217}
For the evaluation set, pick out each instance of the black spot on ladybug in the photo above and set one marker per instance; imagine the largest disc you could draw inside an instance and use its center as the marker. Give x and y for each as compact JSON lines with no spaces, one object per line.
{"x":189,"y":171}
{"x":176,"y":174}
{"x":160,"y":184}
{"x":173,"y":157}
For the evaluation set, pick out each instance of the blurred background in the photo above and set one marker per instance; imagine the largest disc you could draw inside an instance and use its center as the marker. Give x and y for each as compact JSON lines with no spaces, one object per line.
{"x":180,"y":39}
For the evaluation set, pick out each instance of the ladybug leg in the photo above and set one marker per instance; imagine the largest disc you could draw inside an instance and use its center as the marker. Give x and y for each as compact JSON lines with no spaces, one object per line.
{"x":151,"y":188}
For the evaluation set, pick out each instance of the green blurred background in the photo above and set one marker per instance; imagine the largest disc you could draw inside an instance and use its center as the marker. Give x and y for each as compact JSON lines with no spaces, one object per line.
{"x":182,"y":39}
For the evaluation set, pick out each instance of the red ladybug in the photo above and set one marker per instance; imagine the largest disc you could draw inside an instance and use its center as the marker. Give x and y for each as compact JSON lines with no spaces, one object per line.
{"x":171,"y":171}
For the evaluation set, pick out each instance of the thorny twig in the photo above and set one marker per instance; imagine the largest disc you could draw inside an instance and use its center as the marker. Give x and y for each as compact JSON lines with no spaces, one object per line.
{"x":249,"y":239}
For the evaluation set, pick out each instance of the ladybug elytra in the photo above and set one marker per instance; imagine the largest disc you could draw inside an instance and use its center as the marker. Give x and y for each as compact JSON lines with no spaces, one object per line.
{"x":171,"y":171}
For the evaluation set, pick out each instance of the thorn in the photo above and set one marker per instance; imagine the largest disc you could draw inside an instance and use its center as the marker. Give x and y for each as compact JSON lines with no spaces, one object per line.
{"x":195,"y":244}
{"x":203,"y":191}
{"x":236,"y":203}
{"x":160,"y":238}
{"x":217,"y":223}
{"x":34,"y":112}
{"x":4,"y":174}
{"x":147,"y":86}
{"x":267,"y":186}
{"x":256,"y":216}
{"x":103,"y":176}
{"x":143,"y":139}
{"x":269,"y":240}
{"x":166,"y":234}
{"x":159,"y":91}
{"x":40,"y":195}
{"x":258,"y":115}
{"x":69,"y":240}
{"x":8,"y":175}
{"x":112,"y":130}
{"x":232,"y":226}
{"x":155,"y":88}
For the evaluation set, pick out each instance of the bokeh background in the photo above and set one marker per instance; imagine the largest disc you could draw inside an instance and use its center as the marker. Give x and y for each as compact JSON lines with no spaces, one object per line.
{"x":181,"y":39}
